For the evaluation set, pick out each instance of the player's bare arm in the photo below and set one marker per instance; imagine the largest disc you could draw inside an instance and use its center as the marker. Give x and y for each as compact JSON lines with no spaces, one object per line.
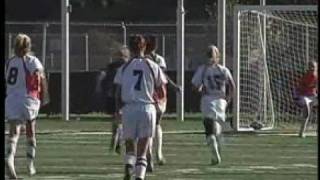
{"x":43,"y":87}
{"x":173,"y":84}
{"x":231,"y":89}
{"x":118,"y":100}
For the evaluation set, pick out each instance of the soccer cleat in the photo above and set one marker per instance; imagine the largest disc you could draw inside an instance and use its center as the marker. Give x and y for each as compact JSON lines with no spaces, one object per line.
{"x":10,"y":167}
{"x":31,"y":169}
{"x":161,"y":161}
{"x":128,"y":172}
{"x":215,"y":161}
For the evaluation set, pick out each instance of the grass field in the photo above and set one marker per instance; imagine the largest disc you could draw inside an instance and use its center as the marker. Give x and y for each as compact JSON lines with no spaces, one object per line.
{"x":79,"y":150}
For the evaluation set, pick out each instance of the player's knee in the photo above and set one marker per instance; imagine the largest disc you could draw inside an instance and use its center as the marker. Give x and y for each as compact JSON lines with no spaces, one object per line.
{"x":129,"y":145}
{"x":13,"y":139}
{"x":208,"y":126}
{"x":30,"y":129}
{"x":158,"y":118}
{"x":32,"y":142}
{"x":217,"y":128}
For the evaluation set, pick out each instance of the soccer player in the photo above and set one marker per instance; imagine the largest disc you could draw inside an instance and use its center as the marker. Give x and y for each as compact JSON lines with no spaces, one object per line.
{"x":306,"y":94}
{"x":109,"y":88}
{"x":25,"y":89}
{"x":137,"y":81}
{"x":151,"y":54}
{"x":211,"y":80}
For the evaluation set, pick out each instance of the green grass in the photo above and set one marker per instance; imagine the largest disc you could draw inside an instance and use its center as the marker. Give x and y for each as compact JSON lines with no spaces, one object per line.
{"x":62,"y":153}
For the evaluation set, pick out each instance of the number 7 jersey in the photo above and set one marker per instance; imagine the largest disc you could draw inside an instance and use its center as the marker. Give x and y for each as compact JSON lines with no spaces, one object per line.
{"x":213,"y":80}
{"x":138,"y":79}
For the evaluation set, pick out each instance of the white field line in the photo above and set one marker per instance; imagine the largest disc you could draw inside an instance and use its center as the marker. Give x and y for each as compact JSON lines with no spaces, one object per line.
{"x":273,"y":133}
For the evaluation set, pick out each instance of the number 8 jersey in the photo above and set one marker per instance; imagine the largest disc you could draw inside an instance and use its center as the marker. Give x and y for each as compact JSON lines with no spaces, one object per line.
{"x":213,"y":80}
{"x":20,"y":82}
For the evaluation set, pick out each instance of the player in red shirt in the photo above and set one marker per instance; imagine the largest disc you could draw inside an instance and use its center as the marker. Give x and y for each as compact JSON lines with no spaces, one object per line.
{"x":306,"y":94}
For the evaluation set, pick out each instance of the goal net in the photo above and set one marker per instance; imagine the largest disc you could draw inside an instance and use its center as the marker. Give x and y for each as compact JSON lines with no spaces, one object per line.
{"x":272,"y":47}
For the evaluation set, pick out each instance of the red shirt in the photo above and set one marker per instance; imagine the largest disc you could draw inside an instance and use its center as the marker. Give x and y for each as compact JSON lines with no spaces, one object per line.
{"x":308,"y":84}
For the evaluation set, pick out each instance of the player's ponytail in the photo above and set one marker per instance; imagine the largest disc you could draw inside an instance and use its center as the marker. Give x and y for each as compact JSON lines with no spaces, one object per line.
{"x":210,"y":50}
{"x":137,"y":44}
{"x":151,"y":43}
{"x":22,"y":45}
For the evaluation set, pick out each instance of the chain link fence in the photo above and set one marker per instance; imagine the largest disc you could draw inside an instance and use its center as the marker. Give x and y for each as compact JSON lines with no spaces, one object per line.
{"x":93,"y":45}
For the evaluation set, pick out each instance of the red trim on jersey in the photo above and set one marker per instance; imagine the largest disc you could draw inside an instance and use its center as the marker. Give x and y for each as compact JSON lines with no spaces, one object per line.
{"x":308,"y":84}
{"x":160,"y":94}
{"x":32,"y":82}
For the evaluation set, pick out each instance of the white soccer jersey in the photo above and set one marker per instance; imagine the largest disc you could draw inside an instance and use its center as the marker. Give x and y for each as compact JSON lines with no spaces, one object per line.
{"x":138,"y":81}
{"x":16,"y":74}
{"x":160,"y":61}
{"x":19,"y":103}
{"x":213,"y":79}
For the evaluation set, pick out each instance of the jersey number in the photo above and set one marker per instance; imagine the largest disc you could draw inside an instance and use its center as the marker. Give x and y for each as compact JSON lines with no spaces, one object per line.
{"x":138,"y":73}
{"x":12,"y":77}
{"x":215,"y":82}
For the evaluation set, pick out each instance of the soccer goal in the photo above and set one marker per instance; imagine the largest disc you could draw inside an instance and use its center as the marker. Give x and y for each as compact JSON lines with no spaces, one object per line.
{"x":272,"y":45}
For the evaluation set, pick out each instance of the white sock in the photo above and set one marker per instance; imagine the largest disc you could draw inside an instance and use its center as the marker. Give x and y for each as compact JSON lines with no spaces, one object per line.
{"x":130,"y":158}
{"x":12,"y":146}
{"x":159,"y":141}
{"x":129,"y":162}
{"x":141,"y":167}
{"x":31,"y":150}
{"x":11,"y":151}
{"x":213,"y":145}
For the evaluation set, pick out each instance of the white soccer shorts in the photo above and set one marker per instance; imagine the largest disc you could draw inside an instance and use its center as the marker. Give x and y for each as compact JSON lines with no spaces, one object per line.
{"x":213,"y":108}
{"x":21,"y":109}
{"x":138,"y":120}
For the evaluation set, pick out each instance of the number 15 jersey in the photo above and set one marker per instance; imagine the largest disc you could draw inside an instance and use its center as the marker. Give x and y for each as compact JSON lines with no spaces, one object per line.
{"x":138,"y":79}
{"x":213,"y":80}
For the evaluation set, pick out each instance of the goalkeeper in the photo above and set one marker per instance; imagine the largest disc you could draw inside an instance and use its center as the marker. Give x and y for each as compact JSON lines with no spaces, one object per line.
{"x":306,"y":94}
{"x":211,"y":80}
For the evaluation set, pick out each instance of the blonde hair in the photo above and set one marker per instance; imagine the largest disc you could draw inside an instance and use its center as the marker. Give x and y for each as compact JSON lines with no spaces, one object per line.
{"x":215,"y":50}
{"x":22,"y":45}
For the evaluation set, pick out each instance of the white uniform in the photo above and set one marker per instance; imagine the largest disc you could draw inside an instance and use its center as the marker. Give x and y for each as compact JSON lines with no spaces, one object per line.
{"x":213,"y":79}
{"x":138,"y":79}
{"x":19,"y":104}
{"x":160,"y":61}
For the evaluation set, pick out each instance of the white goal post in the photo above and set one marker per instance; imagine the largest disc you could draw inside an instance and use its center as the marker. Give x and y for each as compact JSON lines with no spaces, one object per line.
{"x":272,"y":45}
